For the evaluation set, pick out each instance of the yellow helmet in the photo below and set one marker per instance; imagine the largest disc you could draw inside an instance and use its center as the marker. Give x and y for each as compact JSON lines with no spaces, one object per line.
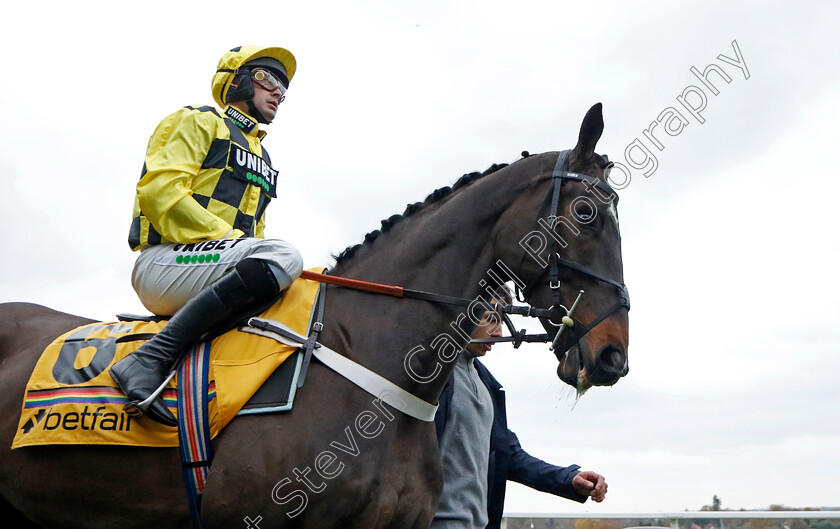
{"x":234,"y":59}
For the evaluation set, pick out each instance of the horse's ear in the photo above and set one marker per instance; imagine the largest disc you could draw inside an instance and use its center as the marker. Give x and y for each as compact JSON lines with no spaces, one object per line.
{"x":590,"y":132}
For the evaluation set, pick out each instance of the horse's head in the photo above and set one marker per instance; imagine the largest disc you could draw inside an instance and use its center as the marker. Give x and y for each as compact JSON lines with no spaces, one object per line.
{"x":571,"y":243}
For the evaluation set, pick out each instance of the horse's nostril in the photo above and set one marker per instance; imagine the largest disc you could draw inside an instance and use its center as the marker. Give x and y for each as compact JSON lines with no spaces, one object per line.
{"x":612,"y":359}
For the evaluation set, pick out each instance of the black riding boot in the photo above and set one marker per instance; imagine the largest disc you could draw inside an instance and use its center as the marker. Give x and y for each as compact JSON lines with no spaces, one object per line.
{"x":243,"y":291}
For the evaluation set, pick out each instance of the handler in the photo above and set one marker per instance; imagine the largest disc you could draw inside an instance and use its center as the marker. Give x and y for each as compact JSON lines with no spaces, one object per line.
{"x":480,"y":454}
{"x":199,"y":217}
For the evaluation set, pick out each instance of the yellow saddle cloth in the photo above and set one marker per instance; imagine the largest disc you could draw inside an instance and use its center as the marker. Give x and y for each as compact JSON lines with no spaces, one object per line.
{"x":71,"y":399}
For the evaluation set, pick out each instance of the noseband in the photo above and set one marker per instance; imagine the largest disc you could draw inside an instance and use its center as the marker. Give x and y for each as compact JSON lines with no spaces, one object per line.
{"x":559,"y":178}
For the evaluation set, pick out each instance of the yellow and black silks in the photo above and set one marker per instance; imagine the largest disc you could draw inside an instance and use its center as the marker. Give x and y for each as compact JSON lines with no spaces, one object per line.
{"x":71,"y":399}
{"x":205,"y":175}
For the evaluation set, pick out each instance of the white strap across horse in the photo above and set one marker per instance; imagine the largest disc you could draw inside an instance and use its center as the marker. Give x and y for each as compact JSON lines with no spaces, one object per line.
{"x":378,"y":386}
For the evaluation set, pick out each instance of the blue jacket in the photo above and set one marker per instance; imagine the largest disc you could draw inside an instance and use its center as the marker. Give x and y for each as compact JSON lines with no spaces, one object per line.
{"x":508,"y":461}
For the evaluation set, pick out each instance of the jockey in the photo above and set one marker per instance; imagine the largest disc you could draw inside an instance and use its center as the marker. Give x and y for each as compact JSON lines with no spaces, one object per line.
{"x":199,"y":216}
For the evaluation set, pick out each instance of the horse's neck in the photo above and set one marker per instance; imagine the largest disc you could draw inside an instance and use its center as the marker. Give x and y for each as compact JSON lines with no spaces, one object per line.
{"x":445,"y":250}
{"x":380,"y":331}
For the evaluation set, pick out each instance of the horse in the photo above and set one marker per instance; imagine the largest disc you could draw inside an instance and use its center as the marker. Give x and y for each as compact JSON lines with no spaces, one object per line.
{"x":341,"y":458}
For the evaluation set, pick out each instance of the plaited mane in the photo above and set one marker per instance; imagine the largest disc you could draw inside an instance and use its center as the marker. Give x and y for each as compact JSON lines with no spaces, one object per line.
{"x":434,"y":197}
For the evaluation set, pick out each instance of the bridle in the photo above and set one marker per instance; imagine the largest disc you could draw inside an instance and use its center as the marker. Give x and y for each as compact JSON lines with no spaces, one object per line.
{"x":559,"y":178}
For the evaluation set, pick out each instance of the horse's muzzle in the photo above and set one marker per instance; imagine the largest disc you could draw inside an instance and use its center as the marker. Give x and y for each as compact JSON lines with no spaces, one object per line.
{"x":610,"y":365}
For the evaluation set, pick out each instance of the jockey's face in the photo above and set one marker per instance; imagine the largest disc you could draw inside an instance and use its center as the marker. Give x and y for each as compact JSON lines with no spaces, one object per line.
{"x":490,"y":327}
{"x":267,"y":101}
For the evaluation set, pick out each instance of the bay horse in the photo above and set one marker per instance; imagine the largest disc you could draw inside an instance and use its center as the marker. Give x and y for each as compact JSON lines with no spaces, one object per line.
{"x":341,"y":458}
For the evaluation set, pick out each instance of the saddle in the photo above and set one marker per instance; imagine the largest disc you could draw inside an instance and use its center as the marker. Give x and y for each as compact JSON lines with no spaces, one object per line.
{"x":71,"y":399}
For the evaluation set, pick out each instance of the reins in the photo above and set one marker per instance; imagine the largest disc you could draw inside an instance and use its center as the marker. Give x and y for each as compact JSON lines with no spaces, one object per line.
{"x":402,"y":292}
{"x":517,"y":337}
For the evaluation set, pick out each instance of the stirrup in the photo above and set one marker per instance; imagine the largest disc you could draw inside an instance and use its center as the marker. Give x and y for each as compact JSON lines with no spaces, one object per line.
{"x":137,"y":408}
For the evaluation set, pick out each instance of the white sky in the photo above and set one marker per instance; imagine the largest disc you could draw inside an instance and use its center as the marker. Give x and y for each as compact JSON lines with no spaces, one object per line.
{"x":730,"y":247}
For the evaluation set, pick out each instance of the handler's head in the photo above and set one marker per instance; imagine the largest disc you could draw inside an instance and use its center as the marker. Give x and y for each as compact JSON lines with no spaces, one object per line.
{"x":491,"y":324}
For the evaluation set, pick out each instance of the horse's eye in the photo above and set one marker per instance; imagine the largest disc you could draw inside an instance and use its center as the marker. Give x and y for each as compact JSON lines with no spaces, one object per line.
{"x":583,"y":211}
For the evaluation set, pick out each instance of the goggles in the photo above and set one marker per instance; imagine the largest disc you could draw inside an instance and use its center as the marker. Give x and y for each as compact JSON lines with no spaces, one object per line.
{"x":268,"y":81}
